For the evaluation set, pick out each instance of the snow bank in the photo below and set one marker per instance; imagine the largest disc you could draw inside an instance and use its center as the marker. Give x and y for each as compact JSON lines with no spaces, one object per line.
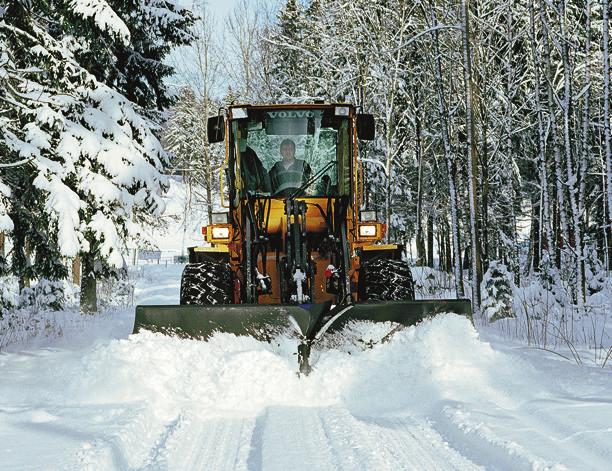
{"x":49,"y":310}
{"x":545,"y":318}
{"x":440,"y":359}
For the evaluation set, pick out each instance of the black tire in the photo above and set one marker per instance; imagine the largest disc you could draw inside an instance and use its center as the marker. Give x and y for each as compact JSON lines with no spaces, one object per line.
{"x":384,"y":279}
{"x":206,"y":283}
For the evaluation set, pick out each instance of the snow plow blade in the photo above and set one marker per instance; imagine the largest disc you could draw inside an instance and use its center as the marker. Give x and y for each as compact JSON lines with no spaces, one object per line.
{"x":307,"y":321}
{"x":260,"y":321}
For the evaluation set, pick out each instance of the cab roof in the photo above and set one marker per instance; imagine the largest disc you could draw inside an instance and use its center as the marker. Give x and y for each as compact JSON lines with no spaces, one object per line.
{"x":285,"y":106}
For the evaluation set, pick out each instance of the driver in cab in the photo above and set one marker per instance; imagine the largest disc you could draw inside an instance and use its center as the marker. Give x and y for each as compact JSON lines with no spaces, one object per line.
{"x":289,"y":174}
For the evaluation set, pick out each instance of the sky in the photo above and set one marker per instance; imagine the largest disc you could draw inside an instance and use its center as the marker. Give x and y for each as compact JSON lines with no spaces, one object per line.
{"x":221,"y":7}
{"x":219,"y":10}
{"x":181,"y":58}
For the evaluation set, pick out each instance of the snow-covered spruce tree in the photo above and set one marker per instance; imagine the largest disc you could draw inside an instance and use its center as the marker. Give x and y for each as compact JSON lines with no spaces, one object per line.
{"x":123,"y":43}
{"x":35,"y":253}
{"x":21,"y":199}
{"x":497,"y":292}
{"x":10,"y":77}
{"x":595,"y":274}
{"x":315,"y":28}
{"x":93,"y":156}
{"x":185,"y":130}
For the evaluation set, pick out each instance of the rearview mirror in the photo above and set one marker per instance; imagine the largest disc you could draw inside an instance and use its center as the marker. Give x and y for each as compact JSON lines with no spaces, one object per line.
{"x":366,"y":127}
{"x":216,"y":129}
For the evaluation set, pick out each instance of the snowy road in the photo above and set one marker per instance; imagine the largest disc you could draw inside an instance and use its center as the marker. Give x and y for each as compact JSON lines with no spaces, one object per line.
{"x":435,"y":397}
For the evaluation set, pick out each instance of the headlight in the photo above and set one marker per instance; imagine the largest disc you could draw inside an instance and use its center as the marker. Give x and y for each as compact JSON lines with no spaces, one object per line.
{"x":220,"y":232}
{"x":367,"y":230}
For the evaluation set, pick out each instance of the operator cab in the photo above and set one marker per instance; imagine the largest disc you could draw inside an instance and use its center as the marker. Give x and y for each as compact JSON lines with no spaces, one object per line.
{"x":291,"y":152}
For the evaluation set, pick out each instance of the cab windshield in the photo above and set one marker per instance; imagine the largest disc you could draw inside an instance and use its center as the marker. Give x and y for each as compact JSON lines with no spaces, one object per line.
{"x":292,"y":152}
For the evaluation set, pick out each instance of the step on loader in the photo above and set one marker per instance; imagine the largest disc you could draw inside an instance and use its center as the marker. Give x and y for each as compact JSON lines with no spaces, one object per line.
{"x":295,"y":252}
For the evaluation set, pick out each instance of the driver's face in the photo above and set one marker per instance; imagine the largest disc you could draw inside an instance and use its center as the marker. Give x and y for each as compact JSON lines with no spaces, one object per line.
{"x":287,"y":151}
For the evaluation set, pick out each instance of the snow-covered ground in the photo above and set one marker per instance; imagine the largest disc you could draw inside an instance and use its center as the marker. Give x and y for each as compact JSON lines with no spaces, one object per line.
{"x":437,"y":396}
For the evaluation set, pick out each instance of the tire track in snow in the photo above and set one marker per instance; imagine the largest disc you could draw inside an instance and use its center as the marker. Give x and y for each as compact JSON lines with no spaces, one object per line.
{"x":332,"y":438}
{"x":123,"y":437}
{"x":537,"y":434}
{"x":158,"y":455}
{"x":186,"y":442}
{"x":392,"y":443}
{"x":290,"y":438}
{"x":492,"y":454}
{"x":212,"y":444}
{"x":556,"y":435}
{"x":561,"y":423}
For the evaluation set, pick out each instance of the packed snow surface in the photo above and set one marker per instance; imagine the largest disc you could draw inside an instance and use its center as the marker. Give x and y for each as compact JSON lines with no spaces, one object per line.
{"x":436,"y":396}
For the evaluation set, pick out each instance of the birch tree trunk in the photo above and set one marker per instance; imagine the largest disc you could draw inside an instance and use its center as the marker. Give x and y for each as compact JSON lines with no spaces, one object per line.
{"x":546,"y":239}
{"x":566,"y":105}
{"x":450,"y":164}
{"x":420,"y":243}
{"x":486,"y":243}
{"x":509,"y":131}
{"x":585,"y":157}
{"x":472,"y":158}
{"x":555,"y":140}
{"x":208,"y":166}
{"x":606,"y":74}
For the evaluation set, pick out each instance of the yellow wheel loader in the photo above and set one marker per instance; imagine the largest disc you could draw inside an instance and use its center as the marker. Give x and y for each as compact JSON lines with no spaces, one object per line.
{"x":295,"y":252}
